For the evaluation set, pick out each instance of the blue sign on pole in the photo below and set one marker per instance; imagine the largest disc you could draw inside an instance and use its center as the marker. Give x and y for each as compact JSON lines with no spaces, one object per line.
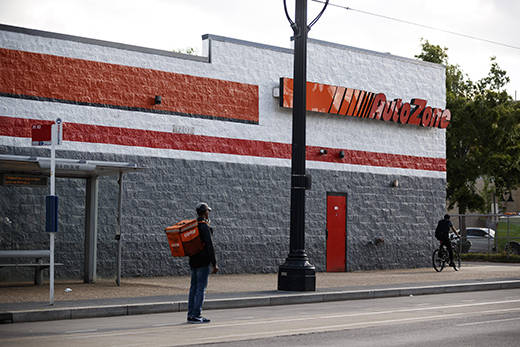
{"x":51,"y":209}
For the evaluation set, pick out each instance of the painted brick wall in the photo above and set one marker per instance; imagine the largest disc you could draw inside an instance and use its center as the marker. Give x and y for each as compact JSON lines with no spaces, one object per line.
{"x":250,"y":217}
{"x":85,"y":133}
{"x":241,"y":169}
{"x":45,"y":76}
{"x":240,"y":62}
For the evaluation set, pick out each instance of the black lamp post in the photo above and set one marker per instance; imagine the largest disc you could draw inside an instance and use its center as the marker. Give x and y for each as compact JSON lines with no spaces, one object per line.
{"x":297,"y":273}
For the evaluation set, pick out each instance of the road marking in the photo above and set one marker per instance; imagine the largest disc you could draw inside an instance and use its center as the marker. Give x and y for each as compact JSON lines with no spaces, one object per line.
{"x":287,"y":319}
{"x":107,"y":334}
{"x":80,"y":331}
{"x":164,"y":324}
{"x":270,"y":333}
{"x":488,"y":321}
{"x":95,"y":333}
{"x":337,"y":327}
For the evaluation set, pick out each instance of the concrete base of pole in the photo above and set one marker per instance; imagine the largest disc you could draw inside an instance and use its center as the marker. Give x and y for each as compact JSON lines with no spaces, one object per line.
{"x":297,"y":275}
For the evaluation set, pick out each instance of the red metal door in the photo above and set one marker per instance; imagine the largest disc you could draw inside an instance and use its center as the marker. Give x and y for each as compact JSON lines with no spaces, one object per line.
{"x":336,"y":232}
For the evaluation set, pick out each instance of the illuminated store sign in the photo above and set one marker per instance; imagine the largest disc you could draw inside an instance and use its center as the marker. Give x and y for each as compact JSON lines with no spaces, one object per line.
{"x":350,"y":102}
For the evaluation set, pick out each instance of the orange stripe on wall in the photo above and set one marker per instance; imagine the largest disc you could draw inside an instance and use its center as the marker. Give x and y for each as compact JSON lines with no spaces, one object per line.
{"x":90,"y":82}
{"x":87,"y":133}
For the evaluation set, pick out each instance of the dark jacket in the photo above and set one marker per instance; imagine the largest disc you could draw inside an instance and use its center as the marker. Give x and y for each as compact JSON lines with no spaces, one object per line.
{"x":207,"y":255}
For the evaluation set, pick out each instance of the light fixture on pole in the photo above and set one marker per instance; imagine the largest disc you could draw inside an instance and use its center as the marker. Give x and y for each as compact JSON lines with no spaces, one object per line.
{"x":510,"y":199}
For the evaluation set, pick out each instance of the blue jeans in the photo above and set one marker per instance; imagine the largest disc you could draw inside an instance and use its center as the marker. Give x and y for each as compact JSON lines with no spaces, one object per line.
{"x":199,"y":281}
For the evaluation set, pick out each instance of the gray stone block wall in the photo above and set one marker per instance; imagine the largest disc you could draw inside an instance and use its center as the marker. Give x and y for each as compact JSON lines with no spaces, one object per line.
{"x":250,"y":216}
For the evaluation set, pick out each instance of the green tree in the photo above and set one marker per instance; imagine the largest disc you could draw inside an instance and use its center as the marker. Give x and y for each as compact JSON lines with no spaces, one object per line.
{"x":500,"y":119}
{"x":433,"y":53}
{"x":483,"y":139}
{"x":187,"y":50}
{"x":463,"y":156}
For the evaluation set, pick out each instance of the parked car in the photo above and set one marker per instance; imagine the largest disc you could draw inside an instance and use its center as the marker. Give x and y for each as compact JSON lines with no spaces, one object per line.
{"x":482,"y":239}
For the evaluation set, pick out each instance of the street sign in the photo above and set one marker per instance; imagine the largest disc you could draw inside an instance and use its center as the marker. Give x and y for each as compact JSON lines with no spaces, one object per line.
{"x":45,"y":135}
{"x":41,"y":134}
{"x":51,"y":211}
{"x":59,"y":138}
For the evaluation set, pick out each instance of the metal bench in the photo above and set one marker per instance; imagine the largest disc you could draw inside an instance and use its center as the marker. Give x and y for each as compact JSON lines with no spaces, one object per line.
{"x":38,"y":266}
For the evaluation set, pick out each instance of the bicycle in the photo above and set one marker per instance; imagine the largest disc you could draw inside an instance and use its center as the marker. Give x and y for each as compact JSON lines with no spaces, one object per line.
{"x":441,"y":257}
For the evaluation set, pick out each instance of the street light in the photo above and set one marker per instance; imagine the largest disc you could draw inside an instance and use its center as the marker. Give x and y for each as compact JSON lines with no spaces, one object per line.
{"x":510,"y":199}
{"x":297,"y":273}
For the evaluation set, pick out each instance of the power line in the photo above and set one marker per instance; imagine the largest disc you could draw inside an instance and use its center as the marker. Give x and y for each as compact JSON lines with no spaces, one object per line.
{"x":422,"y":25}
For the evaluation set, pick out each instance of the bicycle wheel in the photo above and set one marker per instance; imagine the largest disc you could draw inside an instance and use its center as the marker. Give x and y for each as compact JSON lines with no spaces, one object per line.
{"x":437,"y":261}
{"x":456,"y":260}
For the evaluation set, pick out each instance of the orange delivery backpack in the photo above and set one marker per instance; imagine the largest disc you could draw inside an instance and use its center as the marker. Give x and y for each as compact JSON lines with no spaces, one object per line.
{"x":184,"y":238}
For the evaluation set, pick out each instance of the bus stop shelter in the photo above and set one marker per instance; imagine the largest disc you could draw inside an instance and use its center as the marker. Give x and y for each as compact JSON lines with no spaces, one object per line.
{"x":17,"y":169}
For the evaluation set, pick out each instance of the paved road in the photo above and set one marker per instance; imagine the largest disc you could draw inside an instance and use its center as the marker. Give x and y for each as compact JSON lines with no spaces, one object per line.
{"x":474,"y":318}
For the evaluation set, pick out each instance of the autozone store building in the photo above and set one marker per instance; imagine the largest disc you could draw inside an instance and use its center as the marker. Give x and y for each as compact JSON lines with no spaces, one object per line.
{"x":221,"y":133}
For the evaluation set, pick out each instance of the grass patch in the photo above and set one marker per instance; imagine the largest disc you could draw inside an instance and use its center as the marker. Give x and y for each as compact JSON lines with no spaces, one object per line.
{"x":492,"y":257}
{"x":503,"y":235}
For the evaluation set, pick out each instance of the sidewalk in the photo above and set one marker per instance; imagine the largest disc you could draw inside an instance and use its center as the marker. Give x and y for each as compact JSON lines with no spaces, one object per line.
{"x":26,"y":302}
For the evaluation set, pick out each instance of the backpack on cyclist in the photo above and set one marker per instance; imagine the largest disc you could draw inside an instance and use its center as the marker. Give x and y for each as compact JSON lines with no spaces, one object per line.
{"x":442,"y":231}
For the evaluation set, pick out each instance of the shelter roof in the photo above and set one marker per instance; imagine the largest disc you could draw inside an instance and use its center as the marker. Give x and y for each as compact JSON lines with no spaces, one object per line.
{"x":69,"y":168}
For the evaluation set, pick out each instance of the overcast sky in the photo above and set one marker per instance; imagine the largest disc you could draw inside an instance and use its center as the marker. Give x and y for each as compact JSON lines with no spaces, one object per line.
{"x":179,"y":24}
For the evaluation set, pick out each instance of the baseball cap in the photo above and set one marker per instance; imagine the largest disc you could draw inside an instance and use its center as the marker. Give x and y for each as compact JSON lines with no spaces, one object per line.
{"x":202,"y":207}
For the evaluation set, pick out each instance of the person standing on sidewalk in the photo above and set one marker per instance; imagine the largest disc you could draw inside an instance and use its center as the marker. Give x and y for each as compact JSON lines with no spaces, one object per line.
{"x":200,"y":266}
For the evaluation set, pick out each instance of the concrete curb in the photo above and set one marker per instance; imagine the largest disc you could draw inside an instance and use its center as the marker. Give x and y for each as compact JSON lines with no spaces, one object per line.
{"x":47,"y":314}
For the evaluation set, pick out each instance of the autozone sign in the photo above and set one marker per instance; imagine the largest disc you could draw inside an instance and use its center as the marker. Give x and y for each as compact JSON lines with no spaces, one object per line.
{"x":350,"y":102}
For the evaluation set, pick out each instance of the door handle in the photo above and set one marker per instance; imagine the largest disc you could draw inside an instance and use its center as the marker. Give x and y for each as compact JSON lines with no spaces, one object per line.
{"x":326,"y":234}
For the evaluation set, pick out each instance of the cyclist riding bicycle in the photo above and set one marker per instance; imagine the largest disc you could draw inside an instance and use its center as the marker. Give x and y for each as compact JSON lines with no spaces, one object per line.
{"x":442,"y":233}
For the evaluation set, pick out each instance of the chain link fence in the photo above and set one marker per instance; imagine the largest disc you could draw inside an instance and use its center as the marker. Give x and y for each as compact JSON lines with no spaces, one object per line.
{"x":489,"y":233}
